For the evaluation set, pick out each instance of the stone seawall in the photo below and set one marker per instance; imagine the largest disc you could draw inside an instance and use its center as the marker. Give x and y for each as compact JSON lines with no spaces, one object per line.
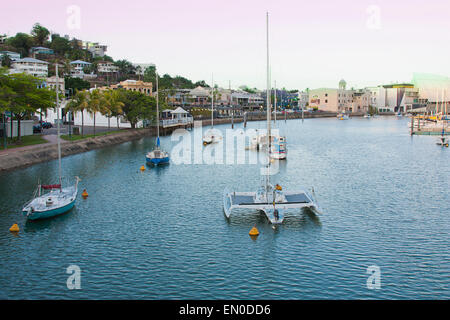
{"x":14,"y":159}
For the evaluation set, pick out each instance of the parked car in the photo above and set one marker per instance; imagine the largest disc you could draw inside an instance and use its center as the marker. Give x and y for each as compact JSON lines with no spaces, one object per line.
{"x":46,"y":125}
{"x":37,"y":128}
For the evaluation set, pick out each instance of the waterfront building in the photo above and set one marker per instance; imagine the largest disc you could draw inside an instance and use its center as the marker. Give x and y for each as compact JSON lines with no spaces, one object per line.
{"x":361,"y":100}
{"x":200,"y":96}
{"x":332,"y":99}
{"x":394,"y":97}
{"x":178,"y":97}
{"x":31,"y":66}
{"x":12,"y":55}
{"x":248,"y":101}
{"x":303,"y":99}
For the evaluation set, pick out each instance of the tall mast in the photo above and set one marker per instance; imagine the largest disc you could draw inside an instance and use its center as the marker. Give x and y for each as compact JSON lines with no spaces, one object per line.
{"x":58,"y":130}
{"x":275,"y":102}
{"x":269,"y":107}
{"x":212,"y":102}
{"x":157,"y":104}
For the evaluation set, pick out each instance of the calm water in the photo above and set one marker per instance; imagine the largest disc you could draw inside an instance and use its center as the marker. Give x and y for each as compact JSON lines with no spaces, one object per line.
{"x":161,"y":234}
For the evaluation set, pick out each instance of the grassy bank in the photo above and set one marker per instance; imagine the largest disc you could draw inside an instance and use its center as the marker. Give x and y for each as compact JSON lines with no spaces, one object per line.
{"x":87,"y":136}
{"x":25,"y":141}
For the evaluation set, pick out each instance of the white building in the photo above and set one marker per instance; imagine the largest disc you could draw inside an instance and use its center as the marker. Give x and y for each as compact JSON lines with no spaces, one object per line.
{"x":393,"y":97}
{"x":303,"y":99}
{"x":10,"y":54}
{"x":78,"y":70}
{"x":143,"y":67}
{"x":31,"y":66}
{"x":96,"y":49}
{"x":52,"y":82}
{"x":107,"y":67}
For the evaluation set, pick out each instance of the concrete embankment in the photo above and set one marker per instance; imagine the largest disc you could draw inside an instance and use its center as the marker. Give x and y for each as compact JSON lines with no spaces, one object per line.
{"x":18,"y":158}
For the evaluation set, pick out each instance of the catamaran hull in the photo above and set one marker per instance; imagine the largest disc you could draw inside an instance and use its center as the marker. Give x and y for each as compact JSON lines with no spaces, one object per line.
{"x":245,"y":200}
{"x":157,"y":161}
{"x":37,"y":215}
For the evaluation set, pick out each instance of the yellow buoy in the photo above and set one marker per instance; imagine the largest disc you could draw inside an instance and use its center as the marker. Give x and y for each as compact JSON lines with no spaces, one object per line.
{"x":14,"y":228}
{"x":85,"y":194}
{"x":254,"y":232}
{"x":143,"y":168}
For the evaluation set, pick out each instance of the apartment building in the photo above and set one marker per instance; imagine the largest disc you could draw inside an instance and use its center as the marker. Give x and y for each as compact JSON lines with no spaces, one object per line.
{"x":31,"y":66}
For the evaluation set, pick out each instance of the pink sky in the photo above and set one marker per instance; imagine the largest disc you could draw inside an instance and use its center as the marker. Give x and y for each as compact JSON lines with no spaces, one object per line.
{"x":313,"y":43}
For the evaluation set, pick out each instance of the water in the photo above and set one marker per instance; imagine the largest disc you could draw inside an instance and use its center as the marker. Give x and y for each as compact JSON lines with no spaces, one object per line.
{"x":161,"y":234}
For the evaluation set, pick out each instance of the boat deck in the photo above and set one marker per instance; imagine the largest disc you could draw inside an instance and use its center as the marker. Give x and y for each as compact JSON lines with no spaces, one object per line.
{"x":247,"y":200}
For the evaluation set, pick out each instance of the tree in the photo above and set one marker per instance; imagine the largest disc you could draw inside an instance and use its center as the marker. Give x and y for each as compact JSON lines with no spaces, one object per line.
{"x":60,"y":45}
{"x":6,"y":61}
{"x":28,"y":97}
{"x":76,"y":84}
{"x":22,"y":43}
{"x":113,"y":106}
{"x":150,"y":74}
{"x":125,"y":67}
{"x":137,"y":106}
{"x":40,"y":34}
{"x":201,"y":83}
{"x":79,"y":103}
{"x":96,"y":103}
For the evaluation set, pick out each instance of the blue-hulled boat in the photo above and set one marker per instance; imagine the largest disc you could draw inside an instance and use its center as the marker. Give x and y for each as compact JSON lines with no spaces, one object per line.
{"x":157,"y":156}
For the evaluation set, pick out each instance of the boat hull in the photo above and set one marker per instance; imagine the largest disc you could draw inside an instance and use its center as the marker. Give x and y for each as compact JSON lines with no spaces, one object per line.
{"x":37,"y":215}
{"x":157,"y":161}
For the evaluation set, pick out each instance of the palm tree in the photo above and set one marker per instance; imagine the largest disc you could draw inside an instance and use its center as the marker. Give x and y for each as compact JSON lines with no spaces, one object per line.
{"x":113,"y":106}
{"x":96,"y":103}
{"x":79,"y":103}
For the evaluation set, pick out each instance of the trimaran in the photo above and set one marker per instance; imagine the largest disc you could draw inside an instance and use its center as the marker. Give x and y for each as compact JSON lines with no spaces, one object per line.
{"x":272,"y":200}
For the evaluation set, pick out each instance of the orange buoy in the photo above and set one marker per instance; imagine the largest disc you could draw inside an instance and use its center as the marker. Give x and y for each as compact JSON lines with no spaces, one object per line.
{"x":143,"y":168}
{"x":254,"y":232}
{"x":14,"y":228}
{"x":85,"y":194}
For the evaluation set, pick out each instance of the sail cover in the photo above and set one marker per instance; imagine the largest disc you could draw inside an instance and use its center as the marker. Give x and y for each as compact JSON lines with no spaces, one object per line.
{"x":51,"y":186}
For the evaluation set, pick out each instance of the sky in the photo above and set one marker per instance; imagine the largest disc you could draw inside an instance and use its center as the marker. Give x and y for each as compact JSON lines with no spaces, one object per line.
{"x":313,"y":44}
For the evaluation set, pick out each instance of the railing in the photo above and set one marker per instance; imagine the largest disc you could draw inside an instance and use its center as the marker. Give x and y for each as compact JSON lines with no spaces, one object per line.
{"x":168,"y":122}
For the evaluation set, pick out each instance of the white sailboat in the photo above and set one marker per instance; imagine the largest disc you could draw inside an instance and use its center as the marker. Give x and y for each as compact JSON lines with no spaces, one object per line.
{"x":57,"y":200}
{"x":278,"y":150}
{"x":157,"y":156}
{"x":271,"y":200}
{"x":211,"y":135}
{"x":443,"y":140}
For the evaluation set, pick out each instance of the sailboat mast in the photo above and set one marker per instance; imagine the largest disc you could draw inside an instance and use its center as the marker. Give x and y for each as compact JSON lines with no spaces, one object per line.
{"x":275,"y":102}
{"x":58,"y":129}
{"x":212,"y":102}
{"x":157,"y":105}
{"x":269,"y":108}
